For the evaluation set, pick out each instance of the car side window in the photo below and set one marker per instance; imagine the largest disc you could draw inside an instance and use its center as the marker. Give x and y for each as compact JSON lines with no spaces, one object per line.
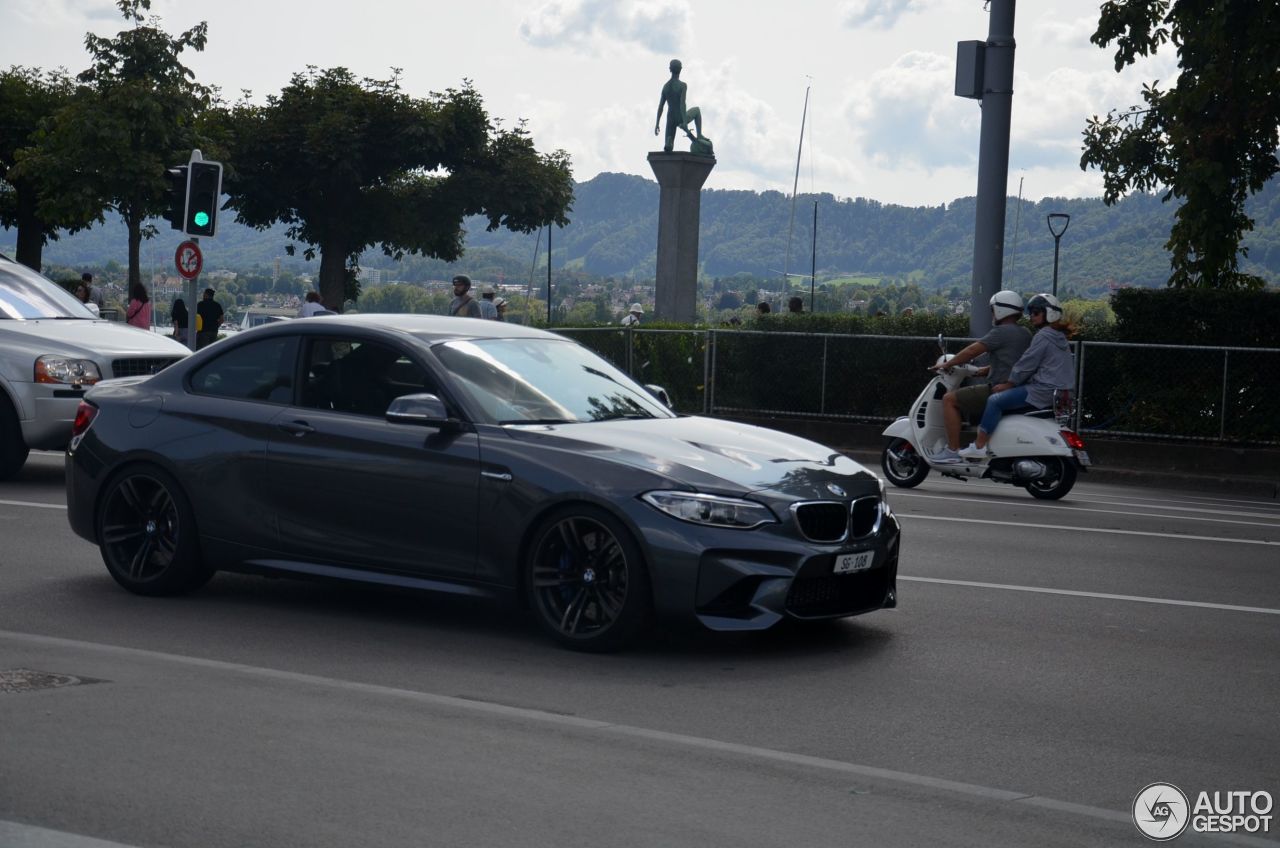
{"x":261,"y":371}
{"x":360,"y":377}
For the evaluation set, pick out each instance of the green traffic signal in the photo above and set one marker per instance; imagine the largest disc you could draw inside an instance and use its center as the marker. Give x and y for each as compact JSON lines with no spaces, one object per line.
{"x":202,"y":219}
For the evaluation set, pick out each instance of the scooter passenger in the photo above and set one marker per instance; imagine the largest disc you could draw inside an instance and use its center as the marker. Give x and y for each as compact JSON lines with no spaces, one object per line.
{"x":1046,"y":366}
{"x":1004,"y":344}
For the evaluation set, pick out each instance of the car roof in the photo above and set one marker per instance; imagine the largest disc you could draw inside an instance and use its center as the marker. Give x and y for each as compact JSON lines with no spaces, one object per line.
{"x":431,"y":327}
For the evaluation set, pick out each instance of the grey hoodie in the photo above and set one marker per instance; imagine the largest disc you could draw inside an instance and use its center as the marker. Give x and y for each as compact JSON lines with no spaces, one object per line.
{"x":1047,"y":365}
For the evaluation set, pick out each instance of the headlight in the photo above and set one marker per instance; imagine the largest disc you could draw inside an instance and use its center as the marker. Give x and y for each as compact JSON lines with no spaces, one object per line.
{"x":63,"y":371}
{"x":712,"y":510}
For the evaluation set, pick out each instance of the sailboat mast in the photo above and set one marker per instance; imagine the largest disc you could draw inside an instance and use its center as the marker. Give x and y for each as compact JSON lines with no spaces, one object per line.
{"x":795,"y":185}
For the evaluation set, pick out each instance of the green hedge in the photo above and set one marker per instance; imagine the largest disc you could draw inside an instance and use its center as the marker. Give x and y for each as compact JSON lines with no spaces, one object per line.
{"x":1198,"y":317}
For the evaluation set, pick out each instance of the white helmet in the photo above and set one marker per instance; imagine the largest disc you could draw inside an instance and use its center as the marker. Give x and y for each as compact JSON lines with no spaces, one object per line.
{"x":1006,"y":303}
{"x":1050,"y":304}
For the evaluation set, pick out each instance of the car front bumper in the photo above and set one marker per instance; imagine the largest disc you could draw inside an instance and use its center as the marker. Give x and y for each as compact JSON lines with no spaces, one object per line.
{"x":48,"y":411}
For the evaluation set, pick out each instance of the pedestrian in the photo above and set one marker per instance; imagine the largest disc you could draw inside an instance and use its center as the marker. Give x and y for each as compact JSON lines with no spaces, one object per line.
{"x":82,"y":295}
{"x":179,"y":316}
{"x":795,"y":306}
{"x":488,"y":309}
{"x":138,"y":313}
{"x":500,"y":303}
{"x":632,"y":318}
{"x":463,"y":304}
{"x":210,"y":314}
{"x":95,"y":293}
{"x":311,"y":306}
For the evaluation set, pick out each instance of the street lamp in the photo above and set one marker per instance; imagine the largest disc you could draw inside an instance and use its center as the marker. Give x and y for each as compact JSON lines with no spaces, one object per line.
{"x":1057,"y":219}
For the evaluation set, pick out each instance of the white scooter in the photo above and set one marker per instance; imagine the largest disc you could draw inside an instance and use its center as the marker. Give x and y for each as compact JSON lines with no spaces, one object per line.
{"x":1035,"y":449}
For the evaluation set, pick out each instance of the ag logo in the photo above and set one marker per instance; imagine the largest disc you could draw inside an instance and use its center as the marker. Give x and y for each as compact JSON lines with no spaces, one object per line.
{"x":1160,"y":811}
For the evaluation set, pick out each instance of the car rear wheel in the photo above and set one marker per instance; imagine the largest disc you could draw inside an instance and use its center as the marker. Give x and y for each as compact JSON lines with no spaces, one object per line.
{"x":147,"y":534}
{"x":587,"y":581}
{"x":13,"y":450}
{"x":902,"y":465}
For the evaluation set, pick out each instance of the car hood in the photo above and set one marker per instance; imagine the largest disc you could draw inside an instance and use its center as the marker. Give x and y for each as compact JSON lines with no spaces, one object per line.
{"x":711,"y":455}
{"x":90,"y":339}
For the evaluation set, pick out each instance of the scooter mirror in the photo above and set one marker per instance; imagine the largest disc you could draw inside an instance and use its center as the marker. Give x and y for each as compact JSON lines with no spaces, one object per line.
{"x":942,"y":345}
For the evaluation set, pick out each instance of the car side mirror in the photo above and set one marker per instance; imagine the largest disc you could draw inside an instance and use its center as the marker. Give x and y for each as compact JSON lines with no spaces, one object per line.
{"x":422,"y":409}
{"x":660,"y":393}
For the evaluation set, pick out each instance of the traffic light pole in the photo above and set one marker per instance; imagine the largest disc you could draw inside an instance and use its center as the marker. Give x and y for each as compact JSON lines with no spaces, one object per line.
{"x":193,"y":286}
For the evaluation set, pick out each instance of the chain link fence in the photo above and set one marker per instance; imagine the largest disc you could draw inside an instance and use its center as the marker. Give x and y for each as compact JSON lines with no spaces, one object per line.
{"x":1223,"y":394}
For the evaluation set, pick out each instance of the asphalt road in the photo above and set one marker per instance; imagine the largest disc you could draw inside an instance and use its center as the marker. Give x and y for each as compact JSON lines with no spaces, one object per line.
{"x":1047,"y":661}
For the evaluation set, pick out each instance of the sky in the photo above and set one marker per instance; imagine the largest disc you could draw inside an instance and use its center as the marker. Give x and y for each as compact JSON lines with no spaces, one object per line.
{"x":882,"y":123}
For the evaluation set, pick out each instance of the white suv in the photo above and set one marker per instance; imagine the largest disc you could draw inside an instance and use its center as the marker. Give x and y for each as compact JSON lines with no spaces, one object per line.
{"x":51,"y":350}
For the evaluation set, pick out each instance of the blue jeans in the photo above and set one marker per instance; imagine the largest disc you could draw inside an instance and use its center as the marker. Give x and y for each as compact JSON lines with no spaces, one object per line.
{"x":997,"y":405}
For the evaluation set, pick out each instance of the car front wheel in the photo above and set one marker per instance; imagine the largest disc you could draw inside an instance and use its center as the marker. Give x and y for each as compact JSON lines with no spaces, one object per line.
{"x":147,"y":534}
{"x":587,"y":581}
{"x":13,"y":450}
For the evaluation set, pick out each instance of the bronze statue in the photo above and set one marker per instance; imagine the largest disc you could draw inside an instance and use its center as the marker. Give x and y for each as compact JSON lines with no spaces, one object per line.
{"x":679,"y":115}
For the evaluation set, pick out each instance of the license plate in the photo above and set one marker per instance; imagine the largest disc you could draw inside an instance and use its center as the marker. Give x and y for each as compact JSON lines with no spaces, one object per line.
{"x":849,"y":563}
{"x":1083,"y":458}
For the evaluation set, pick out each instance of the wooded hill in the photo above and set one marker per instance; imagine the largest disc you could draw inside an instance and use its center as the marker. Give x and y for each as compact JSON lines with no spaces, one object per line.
{"x":614,"y":229}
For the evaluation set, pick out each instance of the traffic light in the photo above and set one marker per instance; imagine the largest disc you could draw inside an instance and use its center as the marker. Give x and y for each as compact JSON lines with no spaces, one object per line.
{"x":175,"y":193}
{"x":204,"y":189}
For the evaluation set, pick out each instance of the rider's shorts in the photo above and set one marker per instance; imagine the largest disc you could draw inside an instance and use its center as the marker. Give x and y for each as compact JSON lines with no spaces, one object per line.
{"x":972,"y":400}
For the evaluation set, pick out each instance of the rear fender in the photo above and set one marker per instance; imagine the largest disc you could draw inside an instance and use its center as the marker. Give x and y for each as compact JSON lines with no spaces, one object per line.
{"x":900,"y":429}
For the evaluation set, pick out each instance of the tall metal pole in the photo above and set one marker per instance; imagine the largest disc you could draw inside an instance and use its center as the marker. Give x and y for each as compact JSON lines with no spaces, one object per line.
{"x":548,"y":275}
{"x":786,"y":265}
{"x":813,"y":266}
{"x":993,"y":163}
{"x":1056,"y":241}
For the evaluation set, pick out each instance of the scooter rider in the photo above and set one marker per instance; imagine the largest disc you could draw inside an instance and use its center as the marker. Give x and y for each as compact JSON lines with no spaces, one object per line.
{"x":1046,"y":367}
{"x":1005,"y":342}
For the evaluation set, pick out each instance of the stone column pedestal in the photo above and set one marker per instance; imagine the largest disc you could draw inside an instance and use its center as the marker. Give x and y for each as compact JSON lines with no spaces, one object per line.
{"x":680,"y":176}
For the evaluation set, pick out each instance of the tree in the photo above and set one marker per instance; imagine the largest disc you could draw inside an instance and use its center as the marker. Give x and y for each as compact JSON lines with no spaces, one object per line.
{"x":1210,"y":140}
{"x":349,"y":164}
{"x":29,"y":98}
{"x":108,"y":148}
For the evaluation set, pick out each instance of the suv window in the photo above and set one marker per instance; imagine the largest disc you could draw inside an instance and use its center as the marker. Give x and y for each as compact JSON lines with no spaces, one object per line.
{"x":261,"y":371}
{"x":350,"y":375}
{"x":24,"y":294}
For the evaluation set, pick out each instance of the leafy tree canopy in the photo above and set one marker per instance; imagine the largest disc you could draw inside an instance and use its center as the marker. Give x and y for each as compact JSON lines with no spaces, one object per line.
{"x":350,"y":163}
{"x":132,"y":117}
{"x":1210,"y":139}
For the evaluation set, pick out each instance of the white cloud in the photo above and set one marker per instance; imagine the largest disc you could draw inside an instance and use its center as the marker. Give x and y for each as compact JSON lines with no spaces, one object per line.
{"x":908,"y":114}
{"x":662,"y":26}
{"x":1066,"y":33}
{"x":879,"y":14}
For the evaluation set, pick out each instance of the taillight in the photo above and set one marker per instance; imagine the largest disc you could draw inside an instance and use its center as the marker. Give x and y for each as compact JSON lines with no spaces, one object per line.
{"x":1073,"y":441}
{"x":85,"y":413}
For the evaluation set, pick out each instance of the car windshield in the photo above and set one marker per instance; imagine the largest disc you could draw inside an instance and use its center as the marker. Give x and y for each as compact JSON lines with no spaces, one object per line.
{"x":544,"y":381}
{"x":26,"y":295}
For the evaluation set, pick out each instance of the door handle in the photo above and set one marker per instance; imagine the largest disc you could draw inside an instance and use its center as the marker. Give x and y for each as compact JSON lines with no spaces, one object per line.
{"x":296,"y":428}
{"x":497,"y":475}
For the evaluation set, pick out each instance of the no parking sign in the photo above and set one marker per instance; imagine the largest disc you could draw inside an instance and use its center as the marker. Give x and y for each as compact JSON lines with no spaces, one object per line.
{"x":189,"y":260}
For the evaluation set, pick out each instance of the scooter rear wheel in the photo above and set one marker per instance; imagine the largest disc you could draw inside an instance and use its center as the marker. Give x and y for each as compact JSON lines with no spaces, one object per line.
{"x":1054,"y":486}
{"x":903,"y":466}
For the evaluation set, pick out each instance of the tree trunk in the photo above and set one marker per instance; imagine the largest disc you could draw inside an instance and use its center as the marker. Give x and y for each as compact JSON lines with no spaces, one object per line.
{"x":134,"y":222}
{"x":30,"y":230}
{"x":333,"y":274}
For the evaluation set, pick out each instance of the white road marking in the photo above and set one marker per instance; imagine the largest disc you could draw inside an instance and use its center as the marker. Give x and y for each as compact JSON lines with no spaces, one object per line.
{"x":36,"y":504}
{"x":1073,"y":529}
{"x":15,"y":835}
{"x":972,"y":790}
{"x":1107,"y":596}
{"x":1102,"y":490}
{"x":1060,"y":507}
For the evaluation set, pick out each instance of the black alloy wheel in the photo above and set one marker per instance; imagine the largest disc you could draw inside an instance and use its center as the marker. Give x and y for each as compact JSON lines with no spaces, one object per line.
{"x":1057,"y":482}
{"x":903,"y":466}
{"x":147,"y":534}
{"x":587,"y":582}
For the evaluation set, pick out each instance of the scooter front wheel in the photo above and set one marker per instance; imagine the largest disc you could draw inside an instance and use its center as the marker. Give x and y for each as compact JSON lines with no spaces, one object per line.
{"x":903,"y":466}
{"x":1056,"y":484}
